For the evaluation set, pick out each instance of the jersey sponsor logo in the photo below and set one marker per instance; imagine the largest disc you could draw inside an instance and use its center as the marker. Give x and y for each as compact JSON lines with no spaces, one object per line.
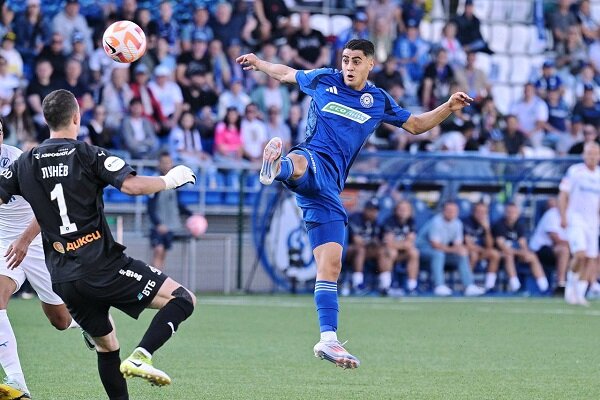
{"x":113,"y":164}
{"x":54,"y":171}
{"x":82,"y":241}
{"x":332,"y":89}
{"x":131,"y":274}
{"x":147,"y":289}
{"x":58,"y":247}
{"x":366,"y":100}
{"x":4,"y":162}
{"x":346,"y":112}
{"x":7,"y":173}
{"x":60,"y":153}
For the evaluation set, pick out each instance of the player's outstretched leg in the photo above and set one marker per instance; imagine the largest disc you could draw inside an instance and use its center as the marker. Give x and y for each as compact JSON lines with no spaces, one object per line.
{"x":329,"y":256}
{"x":176,"y":304}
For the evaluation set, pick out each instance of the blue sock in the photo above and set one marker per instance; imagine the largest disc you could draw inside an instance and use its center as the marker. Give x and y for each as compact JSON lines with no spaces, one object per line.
{"x":287,"y":168}
{"x":326,"y":299}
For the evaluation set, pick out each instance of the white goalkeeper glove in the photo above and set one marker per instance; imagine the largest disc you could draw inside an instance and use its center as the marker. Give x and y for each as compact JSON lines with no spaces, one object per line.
{"x":178,"y":176}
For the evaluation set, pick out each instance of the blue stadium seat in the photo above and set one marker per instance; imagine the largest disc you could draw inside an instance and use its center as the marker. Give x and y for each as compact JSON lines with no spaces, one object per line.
{"x":464,"y":208}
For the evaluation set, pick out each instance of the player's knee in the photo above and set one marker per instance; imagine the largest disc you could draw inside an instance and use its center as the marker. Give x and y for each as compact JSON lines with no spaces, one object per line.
{"x":184,"y":299}
{"x":300,"y":165}
{"x":60,"y":322}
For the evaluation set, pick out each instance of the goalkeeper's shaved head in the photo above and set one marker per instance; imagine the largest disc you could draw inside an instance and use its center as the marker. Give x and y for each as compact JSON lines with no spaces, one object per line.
{"x":59,"y":108}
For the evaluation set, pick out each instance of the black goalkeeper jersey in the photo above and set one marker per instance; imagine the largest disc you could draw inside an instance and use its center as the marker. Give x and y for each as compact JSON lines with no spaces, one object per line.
{"x":63,"y":180}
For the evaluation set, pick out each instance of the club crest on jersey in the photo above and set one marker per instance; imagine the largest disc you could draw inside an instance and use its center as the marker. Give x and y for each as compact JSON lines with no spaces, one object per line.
{"x":58,"y":247}
{"x":366,"y":100}
{"x":346,"y":112}
{"x":113,"y":164}
{"x":4,"y":162}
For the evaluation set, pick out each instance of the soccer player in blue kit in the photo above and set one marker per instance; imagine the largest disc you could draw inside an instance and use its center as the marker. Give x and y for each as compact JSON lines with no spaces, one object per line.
{"x":345,"y":109}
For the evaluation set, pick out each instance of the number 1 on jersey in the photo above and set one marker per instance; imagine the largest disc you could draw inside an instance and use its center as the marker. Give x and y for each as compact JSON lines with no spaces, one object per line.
{"x":58,"y":195}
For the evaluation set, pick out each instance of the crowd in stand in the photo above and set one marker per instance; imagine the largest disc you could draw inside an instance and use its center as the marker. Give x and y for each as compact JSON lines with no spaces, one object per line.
{"x":188,"y":96}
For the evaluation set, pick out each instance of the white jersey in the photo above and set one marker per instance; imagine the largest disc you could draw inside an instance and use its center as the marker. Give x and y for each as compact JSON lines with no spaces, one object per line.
{"x":583,"y":187}
{"x":549,"y":223}
{"x":16,"y":215}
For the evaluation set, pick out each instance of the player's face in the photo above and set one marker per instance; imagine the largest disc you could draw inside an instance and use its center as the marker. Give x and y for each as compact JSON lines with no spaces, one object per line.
{"x":356,"y":67}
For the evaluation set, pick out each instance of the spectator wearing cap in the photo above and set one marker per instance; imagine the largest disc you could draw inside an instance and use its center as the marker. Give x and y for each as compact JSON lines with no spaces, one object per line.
{"x":70,"y":20}
{"x":531,"y":112}
{"x":233,"y":97}
{"x":168,"y":94}
{"x":358,"y":30}
{"x":139,"y":137}
{"x":413,"y":12}
{"x":456,"y":55}
{"x":549,"y":80}
{"x":559,"y":115}
{"x":441,"y":241}
{"x":151,"y":108}
{"x":12,"y":56}
{"x":412,"y":53}
{"x":273,"y":18}
{"x":365,"y":245}
{"x":590,"y":135}
{"x":469,"y":30}
{"x":199,"y":23}
{"x":168,"y":28}
{"x":588,"y":108}
{"x":197,"y":58}
{"x":200,"y":93}
{"x":32,"y":30}
{"x":310,"y":45}
{"x":559,"y":22}
{"x":473,"y":80}
{"x":254,"y":134}
{"x":573,"y":136}
{"x":115,"y":96}
{"x":79,"y":53}
{"x":273,"y":94}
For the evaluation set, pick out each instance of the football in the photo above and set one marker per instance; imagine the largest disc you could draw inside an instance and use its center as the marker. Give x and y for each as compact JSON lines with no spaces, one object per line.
{"x":124,"y":41}
{"x":197,"y":225}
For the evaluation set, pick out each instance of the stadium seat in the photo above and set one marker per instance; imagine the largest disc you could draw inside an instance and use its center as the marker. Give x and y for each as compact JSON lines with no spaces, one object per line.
{"x":502,"y":97}
{"x":521,"y":11}
{"x":322,"y":23}
{"x":482,"y":9}
{"x":520,"y":37}
{"x":464,"y":208}
{"x":521,"y":70}
{"x":499,"y":11}
{"x":496,"y":212}
{"x":499,"y":36}
{"x":421,"y":212}
{"x":486,"y":31}
{"x":537,"y":44}
{"x":516,"y":92}
{"x":484,"y":63}
{"x":595,"y":9}
{"x":340,"y":23}
{"x":500,"y":69}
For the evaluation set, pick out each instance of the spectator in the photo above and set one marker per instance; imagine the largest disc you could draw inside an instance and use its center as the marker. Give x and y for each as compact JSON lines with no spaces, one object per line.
{"x":310,"y":45}
{"x":412,"y":52}
{"x":167,"y":26}
{"x":165,"y":210}
{"x":149,"y":26}
{"x":32,"y":30}
{"x":253,"y":133}
{"x":185,"y":141}
{"x":234,"y":97}
{"x":277,"y":127}
{"x":588,"y":108}
{"x":510,"y":238}
{"x":365,"y":241}
{"x":297,"y":124}
{"x":358,"y":30}
{"x":456,"y":54}
{"x":56,"y":54}
{"x":590,"y":28}
{"x":586,"y":77}
{"x":382,"y":38}
{"x":472,"y":140}
{"x":548,"y":81}
{"x":19,"y":128}
{"x":273,"y":19}
{"x":127,"y":11}
{"x":550,"y":243}
{"x":100,"y":65}
{"x":12,"y":56}
{"x":38,"y":89}
{"x":161,"y":55}
{"x":72,"y":83}
{"x":139,"y":137}
{"x":234,"y":50}
{"x":590,"y":135}
{"x":558,"y":116}
{"x":575,"y":134}
{"x":79,"y":53}
{"x":168,"y":94}
{"x":219,"y":65}
{"x":441,"y":241}
{"x":200,"y":93}
{"x":388,"y":75}
{"x":197,"y":59}
{"x":228,"y":140}
{"x":560,"y":21}
{"x":514,"y":139}
{"x":70,"y":20}
{"x":151,"y":106}
{"x":7,"y":19}
{"x":272,"y":95}
{"x":413,"y":12}
{"x":386,"y":9}
{"x":480,"y":244}
{"x":437,"y":80}
{"x":224,"y":27}
{"x":399,"y":236}
{"x":115,"y":97}
{"x":199,"y":24}
{"x":531,"y":112}
{"x":469,"y":31}
{"x":8,"y":82}
{"x":98,"y":133}
{"x":490,"y":120}
{"x":268,"y":52}
{"x":572,"y":55}
{"x":472,"y":80}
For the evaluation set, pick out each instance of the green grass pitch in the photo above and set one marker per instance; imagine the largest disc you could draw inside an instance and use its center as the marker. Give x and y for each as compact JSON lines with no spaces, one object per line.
{"x":260,"y":347}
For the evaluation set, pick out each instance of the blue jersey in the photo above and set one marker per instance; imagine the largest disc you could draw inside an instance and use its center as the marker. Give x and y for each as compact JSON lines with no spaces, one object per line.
{"x":340,"y":119}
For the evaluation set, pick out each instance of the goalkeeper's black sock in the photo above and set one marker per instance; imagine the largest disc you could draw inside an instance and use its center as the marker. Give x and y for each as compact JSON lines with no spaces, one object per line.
{"x":112,"y":379}
{"x":165,"y":323}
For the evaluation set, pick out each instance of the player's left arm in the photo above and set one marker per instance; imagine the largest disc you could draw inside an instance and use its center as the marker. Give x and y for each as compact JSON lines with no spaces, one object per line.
{"x":18,"y":249}
{"x":417,"y":124}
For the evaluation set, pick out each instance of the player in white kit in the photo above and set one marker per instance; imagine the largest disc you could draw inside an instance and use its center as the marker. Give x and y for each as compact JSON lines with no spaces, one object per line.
{"x":22,"y":257}
{"x":579,"y":205}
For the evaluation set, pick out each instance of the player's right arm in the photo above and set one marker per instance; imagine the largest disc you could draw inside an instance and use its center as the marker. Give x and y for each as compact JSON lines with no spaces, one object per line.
{"x":563,"y":196}
{"x":17,"y":250}
{"x":282,"y":73}
{"x":176,"y":177}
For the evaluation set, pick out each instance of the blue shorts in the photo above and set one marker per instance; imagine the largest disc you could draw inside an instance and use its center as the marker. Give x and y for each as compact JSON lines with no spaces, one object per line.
{"x":334,"y":231}
{"x":317,"y":192}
